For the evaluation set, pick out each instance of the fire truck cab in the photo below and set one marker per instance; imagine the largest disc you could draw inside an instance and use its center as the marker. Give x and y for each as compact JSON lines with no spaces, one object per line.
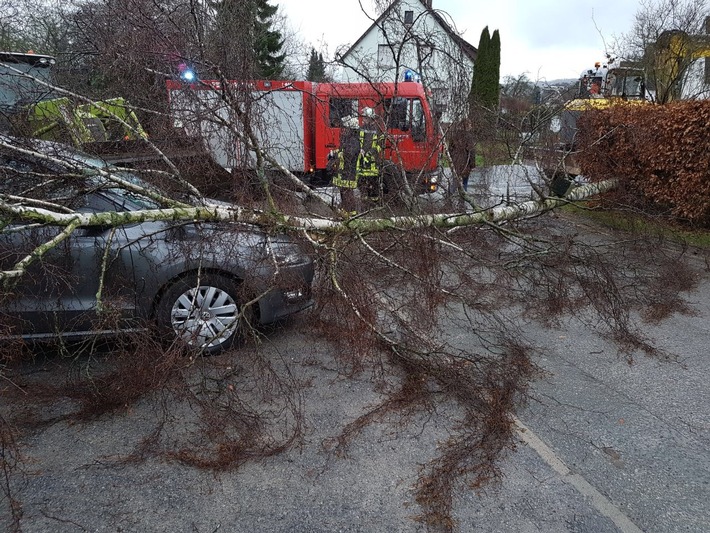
{"x":402,"y":114}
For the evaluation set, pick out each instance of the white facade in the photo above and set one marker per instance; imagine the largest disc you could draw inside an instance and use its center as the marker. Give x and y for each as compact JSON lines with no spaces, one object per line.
{"x":411,"y":37}
{"x":694,"y":83}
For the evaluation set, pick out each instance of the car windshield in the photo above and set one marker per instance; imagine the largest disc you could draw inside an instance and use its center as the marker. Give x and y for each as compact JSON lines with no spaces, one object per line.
{"x":136,"y":200}
{"x":96,"y":169}
{"x":64,"y":175}
{"x":85,"y":159}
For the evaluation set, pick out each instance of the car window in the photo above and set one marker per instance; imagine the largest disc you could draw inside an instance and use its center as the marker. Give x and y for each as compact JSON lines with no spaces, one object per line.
{"x":129,"y":200}
{"x":26,"y":177}
{"x":96,"y":203}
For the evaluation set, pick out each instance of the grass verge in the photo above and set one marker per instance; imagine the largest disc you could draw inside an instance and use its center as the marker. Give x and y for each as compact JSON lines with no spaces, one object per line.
{"x":636,"y":222}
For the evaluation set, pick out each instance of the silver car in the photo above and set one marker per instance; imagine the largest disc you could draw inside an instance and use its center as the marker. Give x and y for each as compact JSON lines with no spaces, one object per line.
{"x":200,"y":282}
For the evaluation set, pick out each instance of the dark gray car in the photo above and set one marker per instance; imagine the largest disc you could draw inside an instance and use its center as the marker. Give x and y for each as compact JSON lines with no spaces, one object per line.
{"x":201,"y":281}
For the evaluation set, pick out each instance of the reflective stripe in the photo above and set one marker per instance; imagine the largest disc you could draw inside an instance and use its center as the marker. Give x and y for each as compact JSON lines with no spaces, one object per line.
{"x":365,"y":166}
{"x":338,"y":180}
{"x":367,"y":161}
{"x":345,"y":184}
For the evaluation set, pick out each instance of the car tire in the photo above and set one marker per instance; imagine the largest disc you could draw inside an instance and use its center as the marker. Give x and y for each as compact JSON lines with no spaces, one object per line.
{"x":202,"y":312}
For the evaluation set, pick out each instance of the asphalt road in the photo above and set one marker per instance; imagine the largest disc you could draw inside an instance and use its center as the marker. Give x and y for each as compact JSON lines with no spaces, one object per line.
{"x":603,"y":446}
{"x":638,"y":433}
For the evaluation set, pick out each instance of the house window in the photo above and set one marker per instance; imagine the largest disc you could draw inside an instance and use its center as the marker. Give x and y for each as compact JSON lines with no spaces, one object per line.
{"x":439,"y":95}
{"x":440,"y":101}
{"x":425,"y":51}
{"x":408,"y":18}
{"x":384,"y":56}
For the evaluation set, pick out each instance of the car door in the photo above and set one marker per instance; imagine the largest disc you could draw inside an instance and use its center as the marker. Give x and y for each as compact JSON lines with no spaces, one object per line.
{"x":99,"y":262}
{"x":57,"y":293}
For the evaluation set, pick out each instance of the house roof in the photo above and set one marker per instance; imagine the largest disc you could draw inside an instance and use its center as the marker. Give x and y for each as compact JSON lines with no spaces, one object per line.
{"x":466,"y":47}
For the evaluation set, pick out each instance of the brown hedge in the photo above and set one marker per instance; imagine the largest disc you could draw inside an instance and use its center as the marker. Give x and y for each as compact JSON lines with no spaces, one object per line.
{"x":660,"y":154}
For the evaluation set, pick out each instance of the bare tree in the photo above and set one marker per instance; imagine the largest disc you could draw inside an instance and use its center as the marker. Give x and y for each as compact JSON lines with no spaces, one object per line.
{"x":667,"y":39}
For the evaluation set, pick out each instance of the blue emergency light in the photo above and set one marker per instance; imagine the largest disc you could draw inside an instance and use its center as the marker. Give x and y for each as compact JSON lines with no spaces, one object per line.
{"x":410,"y":75}
{"x":187,"y":75}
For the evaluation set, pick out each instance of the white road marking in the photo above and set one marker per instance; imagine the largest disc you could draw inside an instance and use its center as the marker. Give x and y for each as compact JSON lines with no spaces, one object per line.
{"x":600,"y":502}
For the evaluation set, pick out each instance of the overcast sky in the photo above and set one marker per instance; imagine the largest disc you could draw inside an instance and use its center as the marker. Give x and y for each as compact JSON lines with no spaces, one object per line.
{"x":547,"y":39}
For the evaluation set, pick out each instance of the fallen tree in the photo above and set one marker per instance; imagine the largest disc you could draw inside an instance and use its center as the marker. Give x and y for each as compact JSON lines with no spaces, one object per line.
{"x":377,"y":277}
{"x":388,"y":289}
{"x":280,"y":221}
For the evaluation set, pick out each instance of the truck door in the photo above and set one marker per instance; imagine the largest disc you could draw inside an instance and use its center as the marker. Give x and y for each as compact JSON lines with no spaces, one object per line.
{"x":408,"y":143}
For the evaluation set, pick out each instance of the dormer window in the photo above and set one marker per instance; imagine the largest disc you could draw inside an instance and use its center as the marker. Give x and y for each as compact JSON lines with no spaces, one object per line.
{"x":408,"y":18}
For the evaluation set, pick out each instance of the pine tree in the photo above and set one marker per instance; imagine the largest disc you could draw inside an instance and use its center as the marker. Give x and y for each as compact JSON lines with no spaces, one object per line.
{"x":230,"y":38}
{"x":242,"y":40}
{"x":268,"y":42}
{"x":316,"y":67}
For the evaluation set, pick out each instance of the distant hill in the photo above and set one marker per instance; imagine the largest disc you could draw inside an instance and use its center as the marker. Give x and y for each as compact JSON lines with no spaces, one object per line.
{"x":564,"y":82}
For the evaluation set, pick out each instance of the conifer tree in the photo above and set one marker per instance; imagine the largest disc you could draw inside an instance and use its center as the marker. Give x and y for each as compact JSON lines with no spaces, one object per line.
{"x":316,"y":67}
{"x":480,"y":68}
{"x":485,"y":83}
{"x":243,"y":40}
{"x":494,"y":78}
{"x":267,"y":42}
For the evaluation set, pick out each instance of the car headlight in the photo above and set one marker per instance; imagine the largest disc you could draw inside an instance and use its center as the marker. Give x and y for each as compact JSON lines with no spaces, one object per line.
{"x":286,"y":254}
{"x":288,"y":258}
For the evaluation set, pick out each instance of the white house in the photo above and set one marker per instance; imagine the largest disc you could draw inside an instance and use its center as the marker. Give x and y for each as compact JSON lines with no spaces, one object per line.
{"x":411,"y":38}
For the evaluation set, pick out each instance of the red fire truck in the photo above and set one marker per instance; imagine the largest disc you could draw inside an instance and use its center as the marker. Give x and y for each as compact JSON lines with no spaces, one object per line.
{"x":298,"y":124}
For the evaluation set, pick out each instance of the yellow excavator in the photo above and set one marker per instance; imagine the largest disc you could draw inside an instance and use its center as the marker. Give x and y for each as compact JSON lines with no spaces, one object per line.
{"x":672,"y":59}
{"x":669,"y":71}
{"x":29,"y":105}
{"x":611,"y":83}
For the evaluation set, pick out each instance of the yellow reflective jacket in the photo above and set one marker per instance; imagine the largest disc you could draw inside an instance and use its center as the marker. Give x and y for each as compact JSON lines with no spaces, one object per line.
{"x":358,"y":157}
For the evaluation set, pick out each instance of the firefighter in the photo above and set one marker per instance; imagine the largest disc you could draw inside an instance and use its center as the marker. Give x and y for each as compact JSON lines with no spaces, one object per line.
{"x":357,"y":162}
{"x":462,"y":149}
{"x":344,"y":164}
{"x":368,"y":164}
